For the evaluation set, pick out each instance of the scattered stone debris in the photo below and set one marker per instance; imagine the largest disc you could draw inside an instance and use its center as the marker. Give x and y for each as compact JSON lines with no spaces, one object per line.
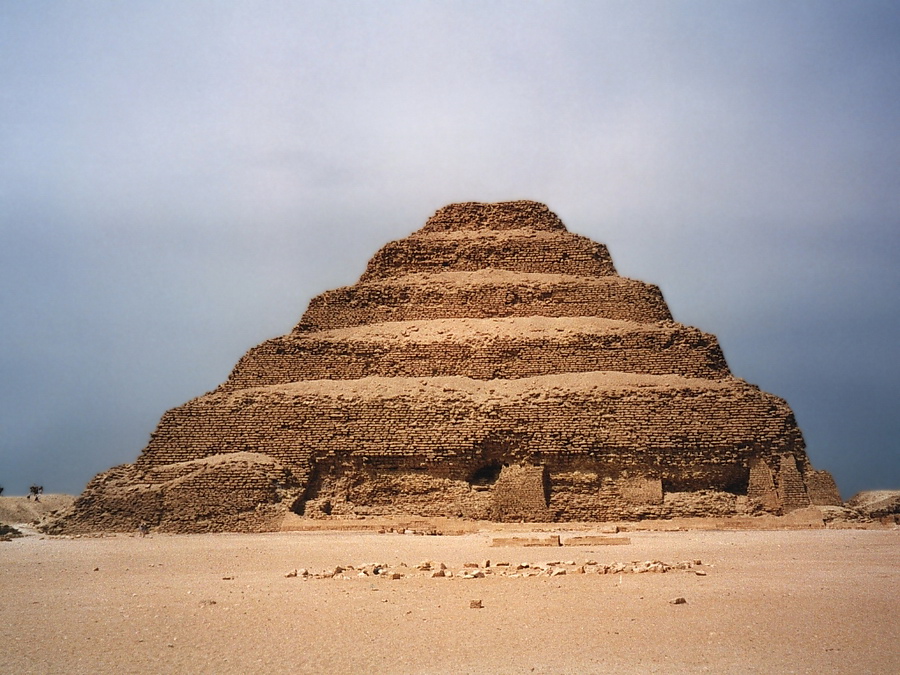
{"x":8,"y":533}
{"x":552,"y":540}
{"x":473,"y":570}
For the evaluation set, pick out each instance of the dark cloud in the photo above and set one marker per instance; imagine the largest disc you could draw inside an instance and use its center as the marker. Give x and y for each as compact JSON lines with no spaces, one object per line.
{"x":178,"y":179}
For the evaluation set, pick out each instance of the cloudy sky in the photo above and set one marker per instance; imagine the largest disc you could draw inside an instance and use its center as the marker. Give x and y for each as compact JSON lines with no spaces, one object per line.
{"x":178,"y":178}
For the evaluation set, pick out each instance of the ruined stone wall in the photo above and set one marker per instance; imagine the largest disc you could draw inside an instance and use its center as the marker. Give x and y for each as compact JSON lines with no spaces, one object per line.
{"x":761,"y":487}
{"x":417,"y":297}
{"x":240,"y":492}
{"x":520,"y":494}
{"x":822,"y":489}
{"x":658,"y":350}
{"x":791,"y":486}
{"x":690,"y":438}
{"x":491,"y":365}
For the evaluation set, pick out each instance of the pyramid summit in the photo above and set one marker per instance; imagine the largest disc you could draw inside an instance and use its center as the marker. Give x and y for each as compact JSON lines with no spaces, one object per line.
{"x":491,"y":365}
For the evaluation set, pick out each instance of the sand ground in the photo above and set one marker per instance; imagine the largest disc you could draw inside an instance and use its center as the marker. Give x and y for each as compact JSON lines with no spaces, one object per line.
{"x":819,"y":601}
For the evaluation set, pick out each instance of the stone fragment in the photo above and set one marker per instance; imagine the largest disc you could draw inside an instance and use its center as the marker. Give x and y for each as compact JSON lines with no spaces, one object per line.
{"x":677,"y":601}
{"x":476,"y":604}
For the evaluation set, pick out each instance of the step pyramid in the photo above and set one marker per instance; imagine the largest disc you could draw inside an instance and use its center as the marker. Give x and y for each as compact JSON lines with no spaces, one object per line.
{"x":492,"y":365}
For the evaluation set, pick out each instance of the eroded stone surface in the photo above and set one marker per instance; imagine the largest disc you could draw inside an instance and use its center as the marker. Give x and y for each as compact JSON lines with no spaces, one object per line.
{"x":491,"y":365}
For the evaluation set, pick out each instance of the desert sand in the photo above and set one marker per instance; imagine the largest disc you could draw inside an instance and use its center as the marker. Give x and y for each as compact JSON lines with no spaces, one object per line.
{"x":801,"y":601}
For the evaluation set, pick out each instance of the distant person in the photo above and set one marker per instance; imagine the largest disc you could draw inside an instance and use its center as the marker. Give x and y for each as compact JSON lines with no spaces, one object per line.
{"x":143,"y":528}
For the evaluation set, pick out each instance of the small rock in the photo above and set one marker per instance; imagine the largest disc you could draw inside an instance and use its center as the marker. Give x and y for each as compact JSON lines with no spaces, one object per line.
{"x":678,"y":601}
{"x":290,"y":574}
{"x":437,"y":574}
{"x":475,"y":604}
{"x":700,"y":573}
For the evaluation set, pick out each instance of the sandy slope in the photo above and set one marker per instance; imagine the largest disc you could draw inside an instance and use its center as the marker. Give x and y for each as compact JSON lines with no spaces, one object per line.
{"x":822,"y":601}
{"x":14,"y":510}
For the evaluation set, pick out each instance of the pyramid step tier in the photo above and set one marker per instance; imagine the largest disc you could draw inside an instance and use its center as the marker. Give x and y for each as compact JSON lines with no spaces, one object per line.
{"x":482,"y":349}
{"x":484,"y":294}
{"x":515,"y":215}
{"x":689,"y":432}
{"x":532,"y":251}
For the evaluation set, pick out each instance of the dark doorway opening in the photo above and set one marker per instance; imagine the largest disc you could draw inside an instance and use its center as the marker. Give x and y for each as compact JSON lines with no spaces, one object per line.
{"x":487,"y":474}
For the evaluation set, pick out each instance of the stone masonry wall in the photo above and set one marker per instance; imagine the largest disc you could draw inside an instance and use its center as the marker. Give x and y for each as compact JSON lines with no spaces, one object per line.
{"x":531,"y":252}
{"x":656,"y":350}
{"x":417,"y":297}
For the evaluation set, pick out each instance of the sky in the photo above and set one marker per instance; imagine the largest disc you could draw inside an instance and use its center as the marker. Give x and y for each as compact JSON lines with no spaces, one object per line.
{"x":178,"y":178}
